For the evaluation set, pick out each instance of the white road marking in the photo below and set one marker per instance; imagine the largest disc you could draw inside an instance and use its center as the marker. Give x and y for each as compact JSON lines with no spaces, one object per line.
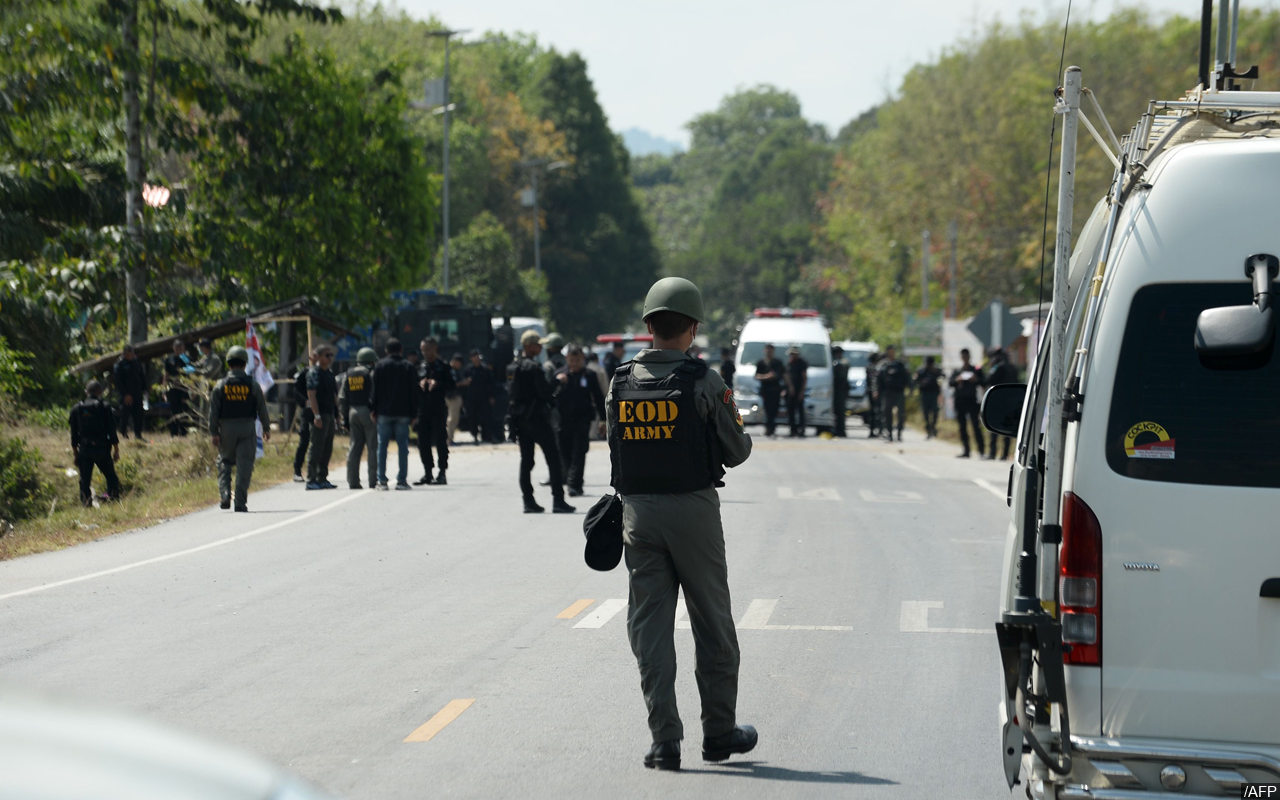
{"x":914,"y":618}
{"x":869,"y":496}
{"x":897,"y":459}
{"x":998,"y":492}
{"x":603,"y":613}
{"x":189,"y":551}
{"x":824,"y":493}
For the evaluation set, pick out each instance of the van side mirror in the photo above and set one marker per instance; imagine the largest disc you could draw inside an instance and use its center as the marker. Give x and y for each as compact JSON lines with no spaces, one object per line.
{"x":1241,"y":337}
{"x":1002,"y":408}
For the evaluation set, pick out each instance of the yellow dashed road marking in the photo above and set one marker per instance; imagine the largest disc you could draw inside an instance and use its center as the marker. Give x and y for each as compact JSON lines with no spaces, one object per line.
{"x":575,"y":609}
{"x":437,"y":723}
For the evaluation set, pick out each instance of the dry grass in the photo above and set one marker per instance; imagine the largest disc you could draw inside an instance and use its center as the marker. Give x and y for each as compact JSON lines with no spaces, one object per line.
{"x":163,"y":478}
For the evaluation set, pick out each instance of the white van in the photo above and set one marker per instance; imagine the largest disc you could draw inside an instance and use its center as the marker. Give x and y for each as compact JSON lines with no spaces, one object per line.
{"x":785,"y":328}
{"x":1140,"y":611}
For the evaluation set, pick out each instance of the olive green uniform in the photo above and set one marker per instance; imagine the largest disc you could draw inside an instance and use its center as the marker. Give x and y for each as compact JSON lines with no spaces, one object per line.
{"x":238,"y":443}
{"x":673,"y":542}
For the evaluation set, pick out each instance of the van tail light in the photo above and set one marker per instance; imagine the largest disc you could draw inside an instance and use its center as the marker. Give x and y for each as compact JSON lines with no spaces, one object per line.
{"x":1080,"y":583}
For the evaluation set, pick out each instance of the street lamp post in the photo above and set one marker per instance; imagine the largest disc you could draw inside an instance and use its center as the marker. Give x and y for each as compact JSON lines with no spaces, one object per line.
{"x":446,"y":35}
{"x":535,"y":166}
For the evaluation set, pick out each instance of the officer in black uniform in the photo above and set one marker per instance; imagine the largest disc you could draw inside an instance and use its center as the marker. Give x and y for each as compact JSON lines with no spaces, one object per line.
{"x":529,"y":421}
{"x":673,"y":428}
{"x":999,"y":370}
{"x":176,"y":365}
{"x":727,"y":367}
{"x":94,"y":442}
{"x":235,"y":404}
{"x":305,"y":419}
{"x":839,"y":390}
{"x":893,"y":380}
{"x":770,"y":372}
{"x":966,"y":380}
{"x":616,"y":355}
{"x":479,"y":383}
{"x":322,"y":400}
{"x":928,"y":382}
{"x":435,"y":380}
{"x":580,"y":402}
{"x":130,"y":376}
{"x":353,"y":406}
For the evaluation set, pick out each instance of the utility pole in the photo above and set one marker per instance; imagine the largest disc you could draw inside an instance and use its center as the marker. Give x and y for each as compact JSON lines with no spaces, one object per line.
{"x":924,"y":274}
{"x":135,"y":276}
{"x":446,"y":35}
{"x":953,"y":234}
{"x":535,"y":166}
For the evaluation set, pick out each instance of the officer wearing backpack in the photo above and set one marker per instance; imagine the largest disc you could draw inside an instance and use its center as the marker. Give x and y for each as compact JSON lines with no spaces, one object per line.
{"x":354,"y":392}
{"x":673,"y":428}
{"x":94,"y":442}
{"x":894,"y":380}
{"x":235,"y":403}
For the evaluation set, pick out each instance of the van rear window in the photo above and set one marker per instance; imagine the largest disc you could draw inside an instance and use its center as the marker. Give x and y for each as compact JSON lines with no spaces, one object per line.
{"x":1175,"y":420}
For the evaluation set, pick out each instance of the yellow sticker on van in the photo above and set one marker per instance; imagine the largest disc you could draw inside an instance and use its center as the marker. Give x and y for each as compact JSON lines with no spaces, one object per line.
{"x":1155,"y":442}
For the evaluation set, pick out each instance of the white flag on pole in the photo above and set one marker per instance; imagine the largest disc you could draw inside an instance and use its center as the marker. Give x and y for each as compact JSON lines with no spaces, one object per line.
{"x":257,"y":368}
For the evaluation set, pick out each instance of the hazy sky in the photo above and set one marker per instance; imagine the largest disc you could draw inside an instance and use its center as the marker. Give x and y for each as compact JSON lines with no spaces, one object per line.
{"x":656,"y":64}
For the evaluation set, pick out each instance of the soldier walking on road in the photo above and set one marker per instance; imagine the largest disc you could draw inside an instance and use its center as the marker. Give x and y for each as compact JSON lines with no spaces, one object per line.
{"x":130,"y":376}
{"x":435,"y":381}
{"x":529,"y":420}
{"x":673,"y":428}
{"x":94,"y":442}
{"x":235,"y":403}
{"x":580,"y":402}
{"x":322,"y":399}
{"x":894,"y":381}
{"x":353,"y":406}
{"x":928,"y":383}
{"x":394,"y":402}
{"x":302,"y":415}
{"x":966,"y":380}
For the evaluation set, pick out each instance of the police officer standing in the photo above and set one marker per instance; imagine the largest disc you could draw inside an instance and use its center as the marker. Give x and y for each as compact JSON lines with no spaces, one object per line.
{"x":668,"y":456}
{"x":839,"y":390}
{"x":234,"y":405}
{"x":928,"y":382}
{"x":395,"y":403}
{"x":555,"y":359}
{"x":210,"y":363}
{"x":353,"y":405}
{"x":303,"y":413}
{"x":130,"y":376}
{"x":177,"y":364}
{"x":616,"y":355}
{"x":580,"y":401}
{"x":966,"y":380}
{"x":529,"y":420}
{"x":893,"y":380}
{"x":769,"y":372}
{"x":479,"y":384}
{"x":797,"y":380}
{"x":94,"y":442}
{"x":999,"y":370}
{"x":435,"y":379}
{"x":322,"y":399}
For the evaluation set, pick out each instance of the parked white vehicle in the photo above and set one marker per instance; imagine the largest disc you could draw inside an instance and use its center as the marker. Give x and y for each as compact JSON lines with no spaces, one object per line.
{"x":1140,"y":611}
{"x":784,"y":328}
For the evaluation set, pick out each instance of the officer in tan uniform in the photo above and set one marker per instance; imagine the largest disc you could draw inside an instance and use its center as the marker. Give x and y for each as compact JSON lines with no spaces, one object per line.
{"x":234,"y":404}
{"x":673,"y":428}
{"x":354,"y":392}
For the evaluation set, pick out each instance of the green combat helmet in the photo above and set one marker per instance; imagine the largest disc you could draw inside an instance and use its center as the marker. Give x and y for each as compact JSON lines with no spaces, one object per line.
{"x":238,"y":353}
{"x":553,"y":341}
{"x":674,"y":294}
{"x":366,"y":356}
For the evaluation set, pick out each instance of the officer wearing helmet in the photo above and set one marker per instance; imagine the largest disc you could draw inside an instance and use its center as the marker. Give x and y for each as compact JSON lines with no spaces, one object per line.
{"x":354,"y":392}
{"x":555,"y":358}
{"x":529,"y":420}
{"x":235,"y":403}
{"x":673,"y":429}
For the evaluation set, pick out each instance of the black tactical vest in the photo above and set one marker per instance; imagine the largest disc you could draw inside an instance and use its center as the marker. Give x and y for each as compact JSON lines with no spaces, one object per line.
{"x":93,"y":420}
{"x":359,"y":385}
{"x":659,"y":443}
{"x":237,"y":398}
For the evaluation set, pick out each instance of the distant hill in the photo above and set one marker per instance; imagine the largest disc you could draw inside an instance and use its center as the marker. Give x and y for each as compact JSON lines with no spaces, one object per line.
{"x":642,"y":143}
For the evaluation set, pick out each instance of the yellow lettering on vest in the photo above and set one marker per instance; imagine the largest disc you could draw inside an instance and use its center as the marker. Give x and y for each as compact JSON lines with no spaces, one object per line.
{"x":668,"y":431}
{"x":355,"y":382}
{"x":626,"y":413}
{"x":667,"y":411}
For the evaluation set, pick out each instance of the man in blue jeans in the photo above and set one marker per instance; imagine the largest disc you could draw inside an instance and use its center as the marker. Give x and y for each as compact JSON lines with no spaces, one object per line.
{"x":393,"y":403}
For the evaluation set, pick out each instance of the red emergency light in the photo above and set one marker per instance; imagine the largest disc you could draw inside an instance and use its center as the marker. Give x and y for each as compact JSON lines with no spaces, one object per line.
{"x":610,"y":338}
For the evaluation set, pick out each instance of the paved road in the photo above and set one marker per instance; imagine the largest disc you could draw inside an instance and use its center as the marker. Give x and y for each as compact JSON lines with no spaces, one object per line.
{"x":324,"y":629}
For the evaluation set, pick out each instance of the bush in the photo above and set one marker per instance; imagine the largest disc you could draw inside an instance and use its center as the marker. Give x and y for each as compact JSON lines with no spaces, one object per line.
{"x":22,"y":493}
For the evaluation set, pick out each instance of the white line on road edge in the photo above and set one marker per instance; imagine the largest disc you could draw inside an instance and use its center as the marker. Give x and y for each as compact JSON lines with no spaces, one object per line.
{"x":757,"y":619}
{"x":998,"y":492}
{"x":603,"y":613}
{"x":915,"y":619}
{"x":238,"y":537}
{"x":897,"y":459}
